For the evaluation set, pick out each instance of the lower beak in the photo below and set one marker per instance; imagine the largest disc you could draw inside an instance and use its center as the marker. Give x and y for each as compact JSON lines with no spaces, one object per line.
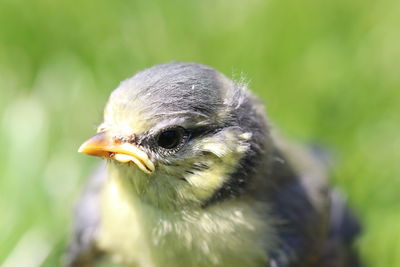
{"x":103,"y":145}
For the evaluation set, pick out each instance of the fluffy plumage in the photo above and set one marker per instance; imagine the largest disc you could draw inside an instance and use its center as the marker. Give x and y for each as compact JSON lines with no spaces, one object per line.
{"x":224,"y":190}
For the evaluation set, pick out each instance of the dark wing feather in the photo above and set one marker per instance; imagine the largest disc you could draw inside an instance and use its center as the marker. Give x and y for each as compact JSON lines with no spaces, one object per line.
{"x":82,"y":250}
{"x":315,"y":228}
{"x":300,"y":225}
{"x":343,"y":231}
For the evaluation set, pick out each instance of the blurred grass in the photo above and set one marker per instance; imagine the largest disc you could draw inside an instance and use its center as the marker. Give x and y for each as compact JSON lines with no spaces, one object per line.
{"x":328,"y":71}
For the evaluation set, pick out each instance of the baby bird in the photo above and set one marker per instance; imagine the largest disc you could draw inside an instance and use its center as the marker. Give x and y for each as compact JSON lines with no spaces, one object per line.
{"x":194,"y":176}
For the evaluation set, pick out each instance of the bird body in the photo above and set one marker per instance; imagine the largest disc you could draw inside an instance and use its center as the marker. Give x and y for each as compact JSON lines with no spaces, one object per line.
{"x":195,"y":177}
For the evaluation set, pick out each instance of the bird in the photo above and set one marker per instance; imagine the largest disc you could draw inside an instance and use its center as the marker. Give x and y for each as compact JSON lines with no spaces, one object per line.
{"x":194,"y":174}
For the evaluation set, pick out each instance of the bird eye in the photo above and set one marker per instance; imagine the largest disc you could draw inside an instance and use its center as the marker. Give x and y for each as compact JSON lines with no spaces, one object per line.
{"x":171,"y":138}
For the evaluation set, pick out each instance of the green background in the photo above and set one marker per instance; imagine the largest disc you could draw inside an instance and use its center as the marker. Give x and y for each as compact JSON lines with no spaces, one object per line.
{"x":328,"y":71}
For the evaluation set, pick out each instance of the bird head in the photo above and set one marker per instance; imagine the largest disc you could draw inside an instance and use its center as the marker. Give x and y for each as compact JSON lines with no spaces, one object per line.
{"x":181,"y":134}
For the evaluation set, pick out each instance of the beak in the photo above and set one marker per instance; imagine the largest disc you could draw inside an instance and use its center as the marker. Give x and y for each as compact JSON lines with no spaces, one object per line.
{"x":103,"y":145}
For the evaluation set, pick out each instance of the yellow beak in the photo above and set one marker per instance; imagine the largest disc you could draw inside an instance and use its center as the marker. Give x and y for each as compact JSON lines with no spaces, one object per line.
{"x":103,"y":145}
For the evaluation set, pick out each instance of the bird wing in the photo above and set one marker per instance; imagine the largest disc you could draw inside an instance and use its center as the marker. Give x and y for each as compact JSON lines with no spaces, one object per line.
{"x":315,"y":228}
{"x":82,"y":250}
{"x":344,"y":228}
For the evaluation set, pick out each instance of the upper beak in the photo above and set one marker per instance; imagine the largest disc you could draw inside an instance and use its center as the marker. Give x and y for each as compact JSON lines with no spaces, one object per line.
{"x":103,"y":145}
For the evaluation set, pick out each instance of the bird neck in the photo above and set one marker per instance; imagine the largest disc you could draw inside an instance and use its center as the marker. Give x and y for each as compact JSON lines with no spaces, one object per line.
{"x":200,"y":235}
{"x":163,"y":191}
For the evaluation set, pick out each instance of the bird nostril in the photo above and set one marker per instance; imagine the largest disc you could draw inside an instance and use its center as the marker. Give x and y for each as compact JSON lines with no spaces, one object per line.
{"x":118,"y":139}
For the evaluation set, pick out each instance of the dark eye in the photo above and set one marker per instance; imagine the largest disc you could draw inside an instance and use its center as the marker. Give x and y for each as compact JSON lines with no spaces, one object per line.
{"x":171,"y":138}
